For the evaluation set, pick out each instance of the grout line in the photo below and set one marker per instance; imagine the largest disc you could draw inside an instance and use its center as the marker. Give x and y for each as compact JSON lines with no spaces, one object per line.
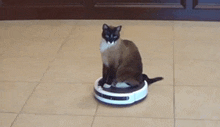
{"x":62,"y":44}
{"x":94,"y":116}
{"x":205,"y":60}
{"x":20,"y":81}
{"x":9,"y":112}
{"x":51,"y":114}
{"x":135,"y":117}
{"x":160,"y":118}
{"x":115,"y":116}
{"x":198,"y":86}
{"x":199,"y":119}
{"x":24,"y":105}
{"x":93,"y":121}
{"x":174,"y":113}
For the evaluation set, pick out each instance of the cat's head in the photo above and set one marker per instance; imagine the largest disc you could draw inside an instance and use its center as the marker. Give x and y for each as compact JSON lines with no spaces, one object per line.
{"x":111,"y":34}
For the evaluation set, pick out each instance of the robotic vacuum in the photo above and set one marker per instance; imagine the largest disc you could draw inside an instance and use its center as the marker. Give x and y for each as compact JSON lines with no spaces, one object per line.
{"x":120,"y":96}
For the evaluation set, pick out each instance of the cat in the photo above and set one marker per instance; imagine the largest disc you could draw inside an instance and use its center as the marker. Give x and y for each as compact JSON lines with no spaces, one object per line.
{"x":121,"y":59}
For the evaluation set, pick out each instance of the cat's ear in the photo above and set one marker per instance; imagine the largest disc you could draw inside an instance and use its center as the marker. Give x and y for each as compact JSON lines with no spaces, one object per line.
{"x":105,"y":27}
{"x":118,"y":28}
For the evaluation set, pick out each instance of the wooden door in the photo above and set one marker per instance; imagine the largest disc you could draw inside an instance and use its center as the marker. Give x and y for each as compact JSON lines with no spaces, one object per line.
{"x":206,"y":10}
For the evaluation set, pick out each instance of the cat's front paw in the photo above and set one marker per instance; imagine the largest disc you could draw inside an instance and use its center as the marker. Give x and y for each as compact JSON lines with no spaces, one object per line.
{"x":114,"y":83}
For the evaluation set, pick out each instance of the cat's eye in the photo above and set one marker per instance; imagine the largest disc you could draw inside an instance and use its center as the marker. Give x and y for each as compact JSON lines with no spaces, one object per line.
{"x":115,"y":37}
{"x":106,"y":36}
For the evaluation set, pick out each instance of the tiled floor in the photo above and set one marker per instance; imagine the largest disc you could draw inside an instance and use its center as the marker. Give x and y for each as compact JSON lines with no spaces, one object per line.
{"x":47,"y":71}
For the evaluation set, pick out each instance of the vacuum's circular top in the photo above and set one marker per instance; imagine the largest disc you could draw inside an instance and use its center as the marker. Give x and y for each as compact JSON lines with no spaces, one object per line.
{"x":120,"y":96}
{"x":123,"y":90}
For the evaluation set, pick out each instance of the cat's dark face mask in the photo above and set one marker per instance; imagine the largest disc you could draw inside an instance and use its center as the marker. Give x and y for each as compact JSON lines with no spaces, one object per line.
{"x":111,"y":34}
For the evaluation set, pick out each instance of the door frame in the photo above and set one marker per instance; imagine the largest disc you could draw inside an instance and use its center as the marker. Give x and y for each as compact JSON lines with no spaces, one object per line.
{"x":88,"y":9}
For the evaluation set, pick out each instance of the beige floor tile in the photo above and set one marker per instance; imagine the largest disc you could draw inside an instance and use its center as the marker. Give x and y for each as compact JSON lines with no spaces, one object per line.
{"x":75,"y":69}
{"x":79,"y":60}
{"x":84,"y":42}
{"x":30,"y":120}
{"x":6,"y":119}
{"x":196,"y":31}
{"x":197,"y":72}
{"x":34,"y":49}
{"x":159,"y":68}
{"x":33,"y":38}
{"x":158,"y":104}
{"x":22,"y":69}
{"x":131,"y":122}
{"x":155,"y":49}
{"x":202,"y":50}
{"x":36,"y":29}
{"x":148,"y":32}
{"x":2,"y":49}
{"x":196,"y":123}
{"x":14,"y":95}
{"x":62,"y":98}
{"x":193,"y":102}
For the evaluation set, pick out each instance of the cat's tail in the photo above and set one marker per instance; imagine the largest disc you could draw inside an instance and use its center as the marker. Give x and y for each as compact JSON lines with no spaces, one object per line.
{"x":151,"y":80}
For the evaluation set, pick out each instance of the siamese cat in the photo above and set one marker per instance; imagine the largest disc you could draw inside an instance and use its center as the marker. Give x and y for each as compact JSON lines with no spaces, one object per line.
{"x":122,"y":64}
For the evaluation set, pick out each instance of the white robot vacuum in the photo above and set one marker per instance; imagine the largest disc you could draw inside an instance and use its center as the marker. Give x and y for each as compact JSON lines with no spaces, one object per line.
{"x":120,"y":96}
